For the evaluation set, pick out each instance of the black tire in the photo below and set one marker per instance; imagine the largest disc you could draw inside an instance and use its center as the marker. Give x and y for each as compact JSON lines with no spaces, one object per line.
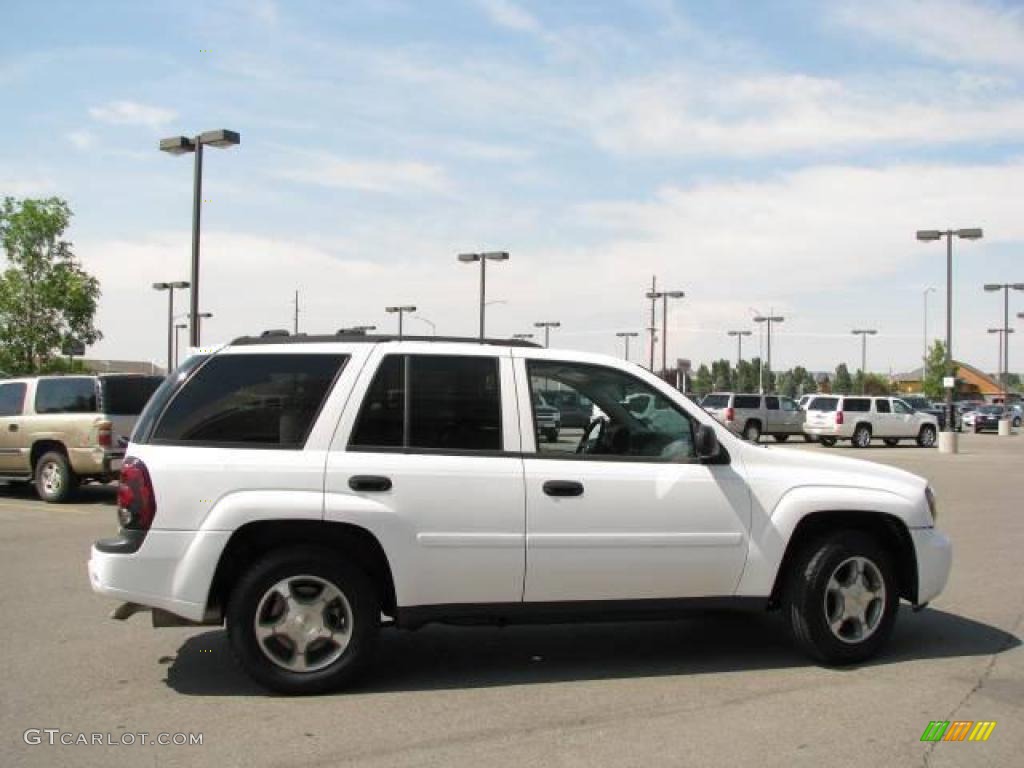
{"x":806,"y":605}
{"x":781,"y":438}
{"x":1016,"y":422}
{"x":54,"y":479}
{"x":752,"y":431}
{"x":892,"y":442}
{"x":355,"y":586}
{"x":926,"y":437}
{"x":827,"y":442}
{"x":861,"y":436}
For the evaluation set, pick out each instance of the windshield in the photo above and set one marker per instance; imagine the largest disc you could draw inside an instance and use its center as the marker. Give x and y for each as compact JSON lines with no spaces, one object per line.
{"x":827,"y":404}
{"x":996,"y":409}
{"x":127,"y":395}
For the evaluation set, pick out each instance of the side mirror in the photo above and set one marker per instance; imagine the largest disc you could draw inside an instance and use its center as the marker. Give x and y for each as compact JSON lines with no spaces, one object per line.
{"x":706,"y":442}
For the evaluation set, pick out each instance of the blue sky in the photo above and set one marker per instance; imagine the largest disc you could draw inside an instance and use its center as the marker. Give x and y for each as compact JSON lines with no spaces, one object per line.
{"x":754,"y":155}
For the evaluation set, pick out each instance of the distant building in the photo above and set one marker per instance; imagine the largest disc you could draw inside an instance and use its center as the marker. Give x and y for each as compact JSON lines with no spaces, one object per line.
{"x":971,"y":383}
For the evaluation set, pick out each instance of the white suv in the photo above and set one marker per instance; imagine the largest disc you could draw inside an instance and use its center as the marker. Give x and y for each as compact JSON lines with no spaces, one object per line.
{"x":307,"y":491}
{"x":859,"y":419}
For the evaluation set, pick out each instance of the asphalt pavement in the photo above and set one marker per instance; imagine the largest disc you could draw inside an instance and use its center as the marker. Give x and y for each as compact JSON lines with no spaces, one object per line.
{"x":716,"y":689}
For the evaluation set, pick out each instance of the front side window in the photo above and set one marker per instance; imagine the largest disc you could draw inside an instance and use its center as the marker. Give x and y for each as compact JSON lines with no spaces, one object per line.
{"x":788,"y":405}
{"x":67,"y":395}
{"x":12,"y":398}
{"x":900,"y":407}
{"x":432,"y":402}
{"x":250,"y":401}
{"x":629,"y":419}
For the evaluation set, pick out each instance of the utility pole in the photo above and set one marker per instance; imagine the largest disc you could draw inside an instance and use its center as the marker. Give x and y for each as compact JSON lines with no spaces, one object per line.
{"x":653,"y":295}
{"x":296,"y":325}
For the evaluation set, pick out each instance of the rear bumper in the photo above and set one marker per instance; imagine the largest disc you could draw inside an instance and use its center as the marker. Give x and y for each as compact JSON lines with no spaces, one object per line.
{"x":934,"y":560}
{"x":171,"y":570}
{"x":824,"y":431}
{"x":95,"y":461}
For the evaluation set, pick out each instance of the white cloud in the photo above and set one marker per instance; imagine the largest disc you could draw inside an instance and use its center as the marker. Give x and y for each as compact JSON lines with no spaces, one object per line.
{"x":367,"y":175}
{"x":132,"y":113}
{"x":959,"y":31}
{"x":21,"y":185}
{"x":82,"y":139}
{"x":505,"y":13}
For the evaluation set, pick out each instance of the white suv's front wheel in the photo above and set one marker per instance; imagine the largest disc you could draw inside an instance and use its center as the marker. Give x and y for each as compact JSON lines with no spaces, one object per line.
{"x":841,"y":598}
{"x":302,"y":621}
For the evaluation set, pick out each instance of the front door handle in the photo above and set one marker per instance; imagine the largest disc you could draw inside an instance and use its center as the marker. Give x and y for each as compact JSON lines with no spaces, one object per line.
{"x":563,"y":488}
{"x":12,"y":427}
{"x":376,"y":483}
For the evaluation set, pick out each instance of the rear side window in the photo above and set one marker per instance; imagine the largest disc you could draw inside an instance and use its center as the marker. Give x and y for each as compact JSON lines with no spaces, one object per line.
{"x":127,"y":395}
{"x":70,"y":395}
{"x":250,"y":401}
{"x":826,"y":404}
{"x":432,"y":402}
{"x":12,"y":398}
{"x":746,"y":401}
{"x":882,"y":406}
{"x":715,"y":401}
{"x":857,"y":405}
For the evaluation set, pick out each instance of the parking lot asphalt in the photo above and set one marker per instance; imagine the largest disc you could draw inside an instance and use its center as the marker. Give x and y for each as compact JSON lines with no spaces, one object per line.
{"x":721,"y":689}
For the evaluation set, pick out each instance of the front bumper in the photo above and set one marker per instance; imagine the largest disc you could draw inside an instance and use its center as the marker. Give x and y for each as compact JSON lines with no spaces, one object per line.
{"x":934,"y":553}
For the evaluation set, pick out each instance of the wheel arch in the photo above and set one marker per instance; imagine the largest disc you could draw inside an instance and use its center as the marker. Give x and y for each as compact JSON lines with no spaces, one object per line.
{"x":42,"y":446}
{"x":252,"y":540}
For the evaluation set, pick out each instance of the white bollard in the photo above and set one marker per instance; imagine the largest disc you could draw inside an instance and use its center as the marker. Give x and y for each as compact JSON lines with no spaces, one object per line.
{"x":947,"y":442}
{"x":1004,"y":427}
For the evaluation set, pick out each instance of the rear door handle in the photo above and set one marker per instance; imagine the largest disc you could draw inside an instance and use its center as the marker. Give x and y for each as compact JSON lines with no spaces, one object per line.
{"x":563,"y":488}
{"x":375,"y":483}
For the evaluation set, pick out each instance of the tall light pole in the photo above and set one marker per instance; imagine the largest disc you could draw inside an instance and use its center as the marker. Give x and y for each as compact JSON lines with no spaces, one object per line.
{"x":401,"y":310}
{"x":483,"y":258}
{"x":179,"y":145}
{"x":1004,"y":337}
{"x":768,"y":320}
{"x":948,"y":444}
{"x":739,"y":344}
{"x":177,"y":340}
{"x":170,"y":288}
{"x":665,"y":296}
{"x":626,"y":336}
{"x":653,"y":295}
{"x":863,"y":333}
{"x":547,"y":325}
{"x":924,"y":358}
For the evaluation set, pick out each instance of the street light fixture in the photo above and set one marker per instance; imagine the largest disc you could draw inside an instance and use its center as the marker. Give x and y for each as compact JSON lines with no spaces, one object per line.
{"x":863,"y":333}
{"x":1004,"y":338}
{"x":547,"y":325}
{"x":931,"y":235}
{"x":180,"y":145}
{"x":626,"y":336}
{"x":739,"y":344}
{"x":483,"y":258}
{"x":768,"y":320}
{"x":401,"y":311}
{"x":170,"y":288}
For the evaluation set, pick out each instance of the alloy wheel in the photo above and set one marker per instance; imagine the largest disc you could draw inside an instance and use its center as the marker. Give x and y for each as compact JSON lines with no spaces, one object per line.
{"x":855,"y":599}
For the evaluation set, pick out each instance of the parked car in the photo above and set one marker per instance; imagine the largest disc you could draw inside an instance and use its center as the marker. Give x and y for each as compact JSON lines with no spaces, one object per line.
{"x":308,"y":491}
{"x":756,"y":415}
{"x":987,"y":418}
{"x":575,"y":411}
{"x":922,"y":404}
{"x":859,"y":419}
{"x":803,"y":401}
{"x":60,"y":431}
{"x":549,"y":420}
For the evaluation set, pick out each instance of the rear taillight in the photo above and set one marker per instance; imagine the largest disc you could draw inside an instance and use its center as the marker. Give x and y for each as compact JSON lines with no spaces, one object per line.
{"x":105,"y":434}
{"x":839,"y":417}
{"x":136,"y":504}
{"x":730,"y":414}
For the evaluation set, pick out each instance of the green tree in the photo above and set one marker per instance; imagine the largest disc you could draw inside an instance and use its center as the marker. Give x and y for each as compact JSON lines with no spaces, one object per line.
{"x":721,"y":376}
{"x":842,"y":384}
{"x":808,"y":386}
{"x":934,"y":371}
{"x":876,"y":384}
{"x":746,"y":377}
{"x":788,"y":384}
{"x":46,"y":297}
{"x":702,"y":383}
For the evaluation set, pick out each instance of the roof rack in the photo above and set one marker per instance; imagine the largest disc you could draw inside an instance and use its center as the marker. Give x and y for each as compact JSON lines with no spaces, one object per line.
{"x":281,"y":336}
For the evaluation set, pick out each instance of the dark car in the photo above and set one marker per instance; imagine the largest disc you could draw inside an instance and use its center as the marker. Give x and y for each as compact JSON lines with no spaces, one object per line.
{"x":987,"y":418}
{"x":576,"y":411}
{"x":922,"y":404}
{"x":549,"y":420}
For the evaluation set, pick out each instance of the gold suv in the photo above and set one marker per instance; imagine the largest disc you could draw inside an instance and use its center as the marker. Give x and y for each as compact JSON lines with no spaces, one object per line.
{"x":58,"y":431}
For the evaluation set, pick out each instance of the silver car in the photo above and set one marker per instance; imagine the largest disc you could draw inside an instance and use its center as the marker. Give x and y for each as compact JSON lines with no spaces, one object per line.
{"x":756,"y":415}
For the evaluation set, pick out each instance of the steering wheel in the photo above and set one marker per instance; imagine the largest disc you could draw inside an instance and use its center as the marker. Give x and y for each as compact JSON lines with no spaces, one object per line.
{"x":597,"y":425}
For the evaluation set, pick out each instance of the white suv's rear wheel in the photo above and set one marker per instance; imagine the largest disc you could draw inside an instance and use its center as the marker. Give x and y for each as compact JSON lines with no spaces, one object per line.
{"x":752,"y":431}
{"x":861,"y":436}
{"x":303,"y":621}
{"x":841,"y":598}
